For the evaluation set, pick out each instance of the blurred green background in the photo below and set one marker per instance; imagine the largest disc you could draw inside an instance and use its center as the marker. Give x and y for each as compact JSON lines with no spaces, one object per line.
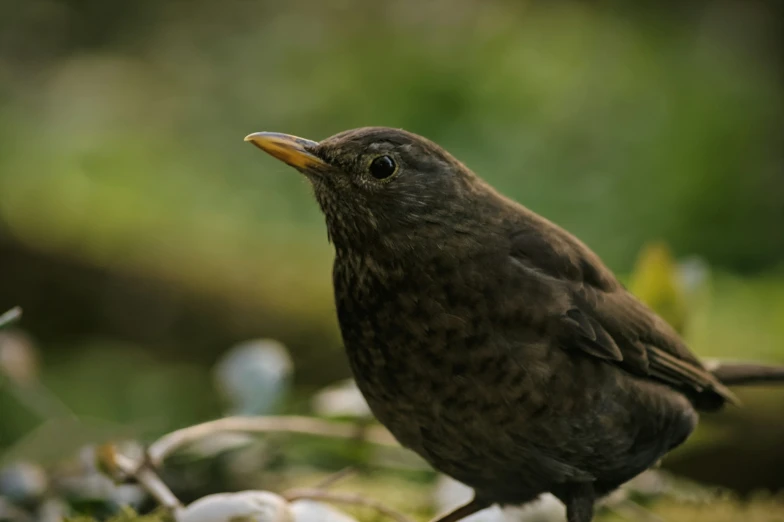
{"x":143,"y":237}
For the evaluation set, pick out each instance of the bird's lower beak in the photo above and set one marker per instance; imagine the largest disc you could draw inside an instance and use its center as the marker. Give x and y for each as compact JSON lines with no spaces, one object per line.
{"x":289,"y":149}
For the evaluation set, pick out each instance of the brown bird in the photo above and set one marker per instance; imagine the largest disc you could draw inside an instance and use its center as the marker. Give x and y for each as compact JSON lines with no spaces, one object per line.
{"x":489,"y":340}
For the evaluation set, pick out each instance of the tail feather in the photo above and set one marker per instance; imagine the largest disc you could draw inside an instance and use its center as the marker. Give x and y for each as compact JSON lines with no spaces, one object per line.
{"x":742,"y":373}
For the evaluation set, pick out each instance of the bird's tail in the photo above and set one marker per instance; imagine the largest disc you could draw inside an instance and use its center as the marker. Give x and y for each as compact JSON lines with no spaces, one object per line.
{"x":734,"y":373}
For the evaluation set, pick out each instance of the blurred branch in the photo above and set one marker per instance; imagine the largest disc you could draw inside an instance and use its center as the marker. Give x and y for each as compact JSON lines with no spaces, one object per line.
{"x":343,"y":498}
{"x":11,"y":316}
{"x":170,"y":443}
{"x":336,"y":477}
{"x":122,"y":468}
{"x":38,"y":399}
{"x":19,"y":370}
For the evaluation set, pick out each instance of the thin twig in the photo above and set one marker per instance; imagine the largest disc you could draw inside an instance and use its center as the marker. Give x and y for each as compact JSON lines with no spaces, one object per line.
{"x":148,"y":479}
{"x":343,"y":498}
{"x":171,"y":442}
{"x":10,"y":316}
{"x":336,"y":477}
{"x":38,"y":399}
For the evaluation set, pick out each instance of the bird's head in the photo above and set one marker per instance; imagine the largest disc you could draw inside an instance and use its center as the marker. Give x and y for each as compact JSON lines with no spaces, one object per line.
{"x":378,"y":185}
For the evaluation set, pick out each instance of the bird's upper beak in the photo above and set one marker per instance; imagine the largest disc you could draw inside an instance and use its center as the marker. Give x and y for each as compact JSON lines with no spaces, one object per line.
{"x":292,"y":150}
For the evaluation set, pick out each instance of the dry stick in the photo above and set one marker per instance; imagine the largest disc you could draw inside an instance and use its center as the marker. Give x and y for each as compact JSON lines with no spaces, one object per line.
{"x":343,"y":498}
{"x":168,"y":444}
{"x":335,"y":477}
{"x":38,"y":399}
{"x":32,"y":394}
{"x":148,"y":479}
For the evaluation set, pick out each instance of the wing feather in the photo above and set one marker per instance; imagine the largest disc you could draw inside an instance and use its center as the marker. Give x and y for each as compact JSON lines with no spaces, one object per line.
{"x":604,"y":320}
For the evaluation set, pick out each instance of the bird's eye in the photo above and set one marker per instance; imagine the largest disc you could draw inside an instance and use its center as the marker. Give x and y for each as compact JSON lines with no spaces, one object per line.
{"x":382,"y":167}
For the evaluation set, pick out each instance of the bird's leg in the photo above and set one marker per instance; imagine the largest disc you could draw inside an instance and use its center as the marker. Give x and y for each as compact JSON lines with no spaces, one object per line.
{"x":477,"y":504}
{"x":579,"y":503}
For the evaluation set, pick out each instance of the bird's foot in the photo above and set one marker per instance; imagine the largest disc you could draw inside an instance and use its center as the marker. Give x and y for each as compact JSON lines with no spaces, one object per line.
{"x":579,"y":502}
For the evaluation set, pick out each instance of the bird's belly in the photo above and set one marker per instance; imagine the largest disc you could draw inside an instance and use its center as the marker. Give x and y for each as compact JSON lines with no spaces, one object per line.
{"x":498,"y":425}
{"x":471,"y":434}
{"x":472,"y":417}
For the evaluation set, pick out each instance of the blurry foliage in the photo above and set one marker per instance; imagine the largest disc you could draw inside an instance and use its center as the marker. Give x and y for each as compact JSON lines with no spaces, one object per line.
{"x":618,"y":127}
{"x":655,"y":281}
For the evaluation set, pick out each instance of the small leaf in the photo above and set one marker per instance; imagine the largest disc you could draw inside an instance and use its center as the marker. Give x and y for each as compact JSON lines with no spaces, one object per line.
{"x":10,"y":317}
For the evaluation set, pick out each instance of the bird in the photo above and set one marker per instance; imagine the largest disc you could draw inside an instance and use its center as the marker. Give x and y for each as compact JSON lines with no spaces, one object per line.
{"x":488,"y":339}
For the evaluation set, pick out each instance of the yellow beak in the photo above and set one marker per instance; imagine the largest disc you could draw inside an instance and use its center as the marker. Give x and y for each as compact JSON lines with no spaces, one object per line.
{"x":292,"y":150}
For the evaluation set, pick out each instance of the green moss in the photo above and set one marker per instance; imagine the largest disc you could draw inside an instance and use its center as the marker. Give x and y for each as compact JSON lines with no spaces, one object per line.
{"x":129,"y":515}
{"x":760,"y":509}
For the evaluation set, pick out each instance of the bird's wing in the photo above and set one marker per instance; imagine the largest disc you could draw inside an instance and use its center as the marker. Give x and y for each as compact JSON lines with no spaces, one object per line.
{"x":598,"y":316}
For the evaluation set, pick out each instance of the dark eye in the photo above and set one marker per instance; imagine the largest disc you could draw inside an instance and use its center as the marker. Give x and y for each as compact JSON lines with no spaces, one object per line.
{"x":382,"y":167}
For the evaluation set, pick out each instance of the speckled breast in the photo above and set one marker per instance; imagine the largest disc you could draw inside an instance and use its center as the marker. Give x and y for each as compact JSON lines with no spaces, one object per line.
{"x":423,"y":352}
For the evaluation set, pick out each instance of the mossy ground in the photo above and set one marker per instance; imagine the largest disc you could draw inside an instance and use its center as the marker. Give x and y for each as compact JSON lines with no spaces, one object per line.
{"x":726,"y":510}
{"x":414,"y":500}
